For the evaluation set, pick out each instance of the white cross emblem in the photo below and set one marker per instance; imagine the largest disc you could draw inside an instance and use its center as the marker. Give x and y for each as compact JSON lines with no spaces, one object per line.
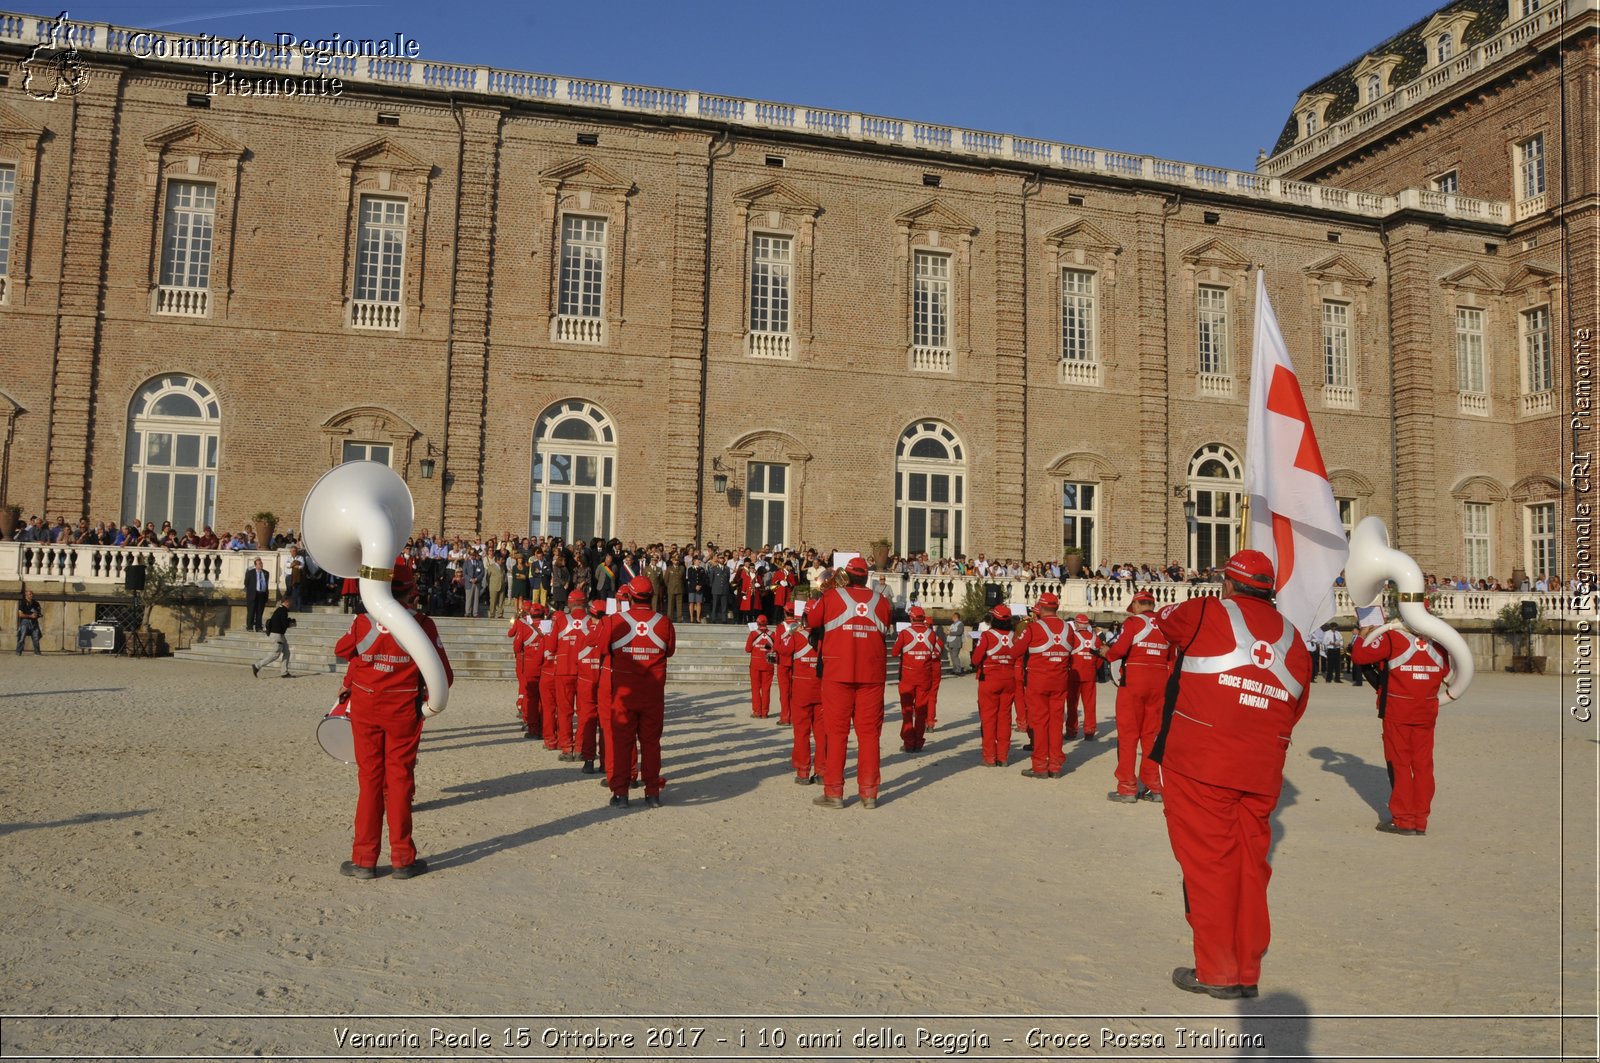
{"x":861,"y":608}
{"x":1263,"y":654}
{"x":642,"y":629}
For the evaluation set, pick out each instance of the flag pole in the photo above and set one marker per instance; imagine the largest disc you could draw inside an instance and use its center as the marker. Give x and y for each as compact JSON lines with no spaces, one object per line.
{"x":1244,"y":519}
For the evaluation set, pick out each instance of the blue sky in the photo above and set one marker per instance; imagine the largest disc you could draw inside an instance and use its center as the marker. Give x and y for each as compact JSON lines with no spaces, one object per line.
{"x":1200,"y":82}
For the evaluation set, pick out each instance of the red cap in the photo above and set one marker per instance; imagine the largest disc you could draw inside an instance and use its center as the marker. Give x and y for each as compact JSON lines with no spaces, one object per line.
{"x":638,"y":588}
{"x":761,"y":621}
{"x":1141,"y":596}
{"x":917,"y":613}
{"x":536,"y":609}
{"x":404,"y":576}
{"x":597,"y":607}
{"x":1000,"y":612}
{"x":1048,"y":600}
{"x":1082,"y":618}
{"x":1251,"y":568}
{"x":576,"y":601}
{"x":857,"y":566}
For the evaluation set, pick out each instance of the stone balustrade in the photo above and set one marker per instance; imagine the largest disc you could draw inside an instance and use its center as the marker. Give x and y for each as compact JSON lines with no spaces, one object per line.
{"x":103,"y":569}
{"x":589,"y":95}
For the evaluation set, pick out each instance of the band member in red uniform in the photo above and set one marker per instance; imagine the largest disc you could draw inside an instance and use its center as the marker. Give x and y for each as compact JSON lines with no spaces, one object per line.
{"x":762,"y":646}
{"x":1081,"y":678}
{"x":387,"y":704}
{"x":589,"y":717}
{"x":549,"y":688}
{"x":783,"y":670}
{"x":1146,"y":658}
{"x":1414,"y":668}
{"x":1046,"y":662}
{"x":518,"y":634}
{"x":569,"y":629}
{"x":637,"y":644}
{"x":782,"y":591}
{"x":919,"y":650}
{"x":1243,"y":678}
{"x":853,"y":621}
{"x":805,"y":703}
{"x":530,"y":668}
{"x":998,"y":662}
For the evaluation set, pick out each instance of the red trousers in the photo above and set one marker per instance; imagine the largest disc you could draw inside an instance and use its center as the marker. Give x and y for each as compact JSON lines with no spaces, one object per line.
{"x":547,"y":710}
{"x":639,"y":719}
{"x":914,"y":701}
{"x":994,"y":717}
{"x":1045,"y":708}
{"x":785,"y":693}
{"x":1221,"y":837}
{"x":529,"y":707}
{"x":1079,"y":689}
{"x":588,"y":715}
{"x":1138,"y":723}
{"x":566,"y":712}
{"x":761,"y":690}
{"x":844,"y":705}
{"x":803,"y":713}
{"x":386,"y":734}
{"x":1408,"y":749}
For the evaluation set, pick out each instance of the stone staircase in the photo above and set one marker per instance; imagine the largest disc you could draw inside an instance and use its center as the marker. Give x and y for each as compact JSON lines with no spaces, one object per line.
{"x":707,"y":653}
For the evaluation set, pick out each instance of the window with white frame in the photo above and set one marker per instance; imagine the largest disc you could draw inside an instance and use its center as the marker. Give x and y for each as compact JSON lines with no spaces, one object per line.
{"x":8,"y":198}
{"x":1347,"y":514}
{"x":1216,"y":485}
{"x":170,"y":464}
{"x":1475,"y":539}
{"x":771,"y":264}
{"x":574,"y":469}
{"x":187,"y":234}
{"x":1213,"y":332}
{"x":766,"y":506}
{"x":930,"y":301}
{"x":1527,"y":7}
{"x":930,"y":491}
{"x":1335,"y":344}
{"x":1449,"y":183}
{"x":1539,"y":362}
{"x":1079,"y":513}
{"x":1469,"y":350}
{"x":378,"y":452}
{"x":1311,"y":123}
{"x":1374,"y":87}
{"x":1077,"y":316}
{"x":1541,"y":540}
{"x":583,"y":266}
{"x":1530,"y":167}
{"x":380,"y":262}
{"x":1446,"y":48}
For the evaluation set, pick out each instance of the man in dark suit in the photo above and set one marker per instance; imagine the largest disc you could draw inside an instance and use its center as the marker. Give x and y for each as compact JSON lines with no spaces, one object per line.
{"x":257,"y":582}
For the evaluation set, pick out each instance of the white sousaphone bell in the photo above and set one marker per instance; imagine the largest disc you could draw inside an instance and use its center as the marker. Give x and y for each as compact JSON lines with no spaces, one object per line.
{"x":355,"y":522}
{"x":1373,"y":562}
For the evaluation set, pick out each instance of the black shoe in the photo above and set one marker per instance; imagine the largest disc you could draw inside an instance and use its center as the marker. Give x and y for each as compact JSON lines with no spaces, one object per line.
{"x":588,"y":767}
{"x":1029,"y":773}
{"x":652,"y":800}
{"x":869,"y":802}
{"x":1390,"y":828}
{"x":828,"y":802}
{"x":816,"y":780}
{"x":1150,"y":795}
{"x":1184,"y":979}
{"x":351,"y":869}
{"x":1122,"y":798}
{"x":802,"y":780}
{"x":781,"y":722}
{"x":1088,"y":738}
{"x":619,"y":800}
{"x":255,"y":669}
{"x":411,"y":870}
{"x":1028,"y":748}
{"x":1249,"y":992}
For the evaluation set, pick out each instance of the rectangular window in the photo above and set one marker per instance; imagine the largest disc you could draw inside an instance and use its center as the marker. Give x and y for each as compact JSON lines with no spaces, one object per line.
{"x":930,"y":307}
{"x":1536,"y":347}
{"x":8,"y":197}
{"x":770,"y":265}
{"x":1213,"y":310}
{"x":1530,"y":167}
{"x":1448,"y":183}
{"x":1077,"y":315}
{"x":1078,"y":518}
{"x":1347,"y":514}
{"x":1542,"y":540}
{"x":1469,"y":350}
{"x":187,"y":235}
{"x":1475,"y":532}
{"x":583,"y":266}
{"x":378,"y":452}
{"x":766,"y":509}
{"x":380,"y":250}
{"x":1336,"y":344}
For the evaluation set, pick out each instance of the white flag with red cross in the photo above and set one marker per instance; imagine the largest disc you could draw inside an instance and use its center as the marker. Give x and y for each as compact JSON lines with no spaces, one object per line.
{"x":1294,"y":519}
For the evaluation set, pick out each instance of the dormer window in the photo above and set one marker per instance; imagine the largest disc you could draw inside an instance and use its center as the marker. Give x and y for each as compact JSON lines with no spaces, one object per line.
{"x":1312,"y":111}
{"x":1445,"y":48}
{"x":1443,"y":32}
{"x":1311,"y":123}
{"x":1374,"y":88}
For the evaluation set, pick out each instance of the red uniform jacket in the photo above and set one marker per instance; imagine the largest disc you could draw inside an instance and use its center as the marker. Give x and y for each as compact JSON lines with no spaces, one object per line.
{"x":1046,"y":653}
{"x":920,"y":655}
{"x":782,"y":581}
{"x":636,"y":644}
{"x":531,"y":651}
{"x":998,"y":659}
{"x":1145,"y":651}
{"x":518,"y":634}
{"x":786,"y":646}
{"x":552,"y":642}
{"x":1416,"y":667}
{"x":380,"y":666}
{"x":853,"y":622}
{"x":588,"y":656}
{"x":569,"y":633}
{"x":1082,"y":639}
{"x":1244,"y":683}
{"x":758,"y":644}
{"x":807,"y":688}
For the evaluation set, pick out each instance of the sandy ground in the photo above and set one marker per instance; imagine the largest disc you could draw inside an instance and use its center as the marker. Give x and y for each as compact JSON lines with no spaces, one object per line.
{"x":172,"y":835}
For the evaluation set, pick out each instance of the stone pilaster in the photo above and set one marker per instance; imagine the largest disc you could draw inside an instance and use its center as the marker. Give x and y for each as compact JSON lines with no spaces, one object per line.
{"x":1006,"y":523}
{"x":1154,"y":502}
{"x":1412,"y":352}
{"x":681,"y":464}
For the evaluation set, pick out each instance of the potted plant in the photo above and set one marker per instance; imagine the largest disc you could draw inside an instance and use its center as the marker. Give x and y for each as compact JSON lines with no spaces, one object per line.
{"x":10,"y":513}
{"x":266,"y":522}
{"x":1520,"y":626}
{"x":1073,"y":561}
{"x":880,"y":553}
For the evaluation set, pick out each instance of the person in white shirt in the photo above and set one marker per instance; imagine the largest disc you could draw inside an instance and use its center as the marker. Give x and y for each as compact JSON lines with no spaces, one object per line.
{"x":1332,"y":655}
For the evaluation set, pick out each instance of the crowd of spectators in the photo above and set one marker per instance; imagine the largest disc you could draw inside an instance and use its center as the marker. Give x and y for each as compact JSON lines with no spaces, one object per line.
{"x":106,"y":533}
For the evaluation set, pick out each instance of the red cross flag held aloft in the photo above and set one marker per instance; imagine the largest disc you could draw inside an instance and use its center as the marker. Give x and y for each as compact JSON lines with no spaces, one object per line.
{"x":1293,"y":516}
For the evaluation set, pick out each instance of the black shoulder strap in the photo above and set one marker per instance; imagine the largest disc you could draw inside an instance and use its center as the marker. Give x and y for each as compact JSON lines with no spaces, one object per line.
{"x":1170,"y":701}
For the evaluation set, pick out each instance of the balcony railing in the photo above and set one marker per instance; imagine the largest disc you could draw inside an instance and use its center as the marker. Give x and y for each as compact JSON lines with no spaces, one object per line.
{"x":104,"y":568}
{"x":1338,"y":397}
{"x":776,"y":346}
{"x":627,"y":99}
{"x":182,"y":302}
{"x":1527,"y":208}
{"x":1474,"y":403}
{"x":571,"y":328}
{"x":1538,"y":402}
{"x":932,"y":360}
{"x":1083,"y":374}
{"x":1216,"y":385}
{"x":366,"y":313}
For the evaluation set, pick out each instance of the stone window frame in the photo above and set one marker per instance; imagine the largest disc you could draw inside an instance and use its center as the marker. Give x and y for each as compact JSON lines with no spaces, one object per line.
{"x":1374,"y":66}
{"x":1480,"y":490}
{"x":584,"y":188}
{"x":1450,"y":178}
{"x":1527,"y":494}
{"x":1080,"y":245}
{"x":1445,"y":25}
{"x":1474,"y":288}
{"x":19,"y":147}
{"x":925,"y":227}
{"x":1518,"y":147}
{"x":1097,"y":470}
{"x":771,"y":446}
{"x":1215,"y":263}
{"x":372,"y":424}
{"x":1339,"y":279}
{"x":193,"y":152}
{"x":1311,"y":113}
{"x":1531,"y":288}
{"x":1349,"y":484}
{"x":383,"y":169}
{"x":778,"y":208}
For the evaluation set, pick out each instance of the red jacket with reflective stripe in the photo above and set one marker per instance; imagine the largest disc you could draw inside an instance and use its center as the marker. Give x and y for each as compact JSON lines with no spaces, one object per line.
{"x":855,"y":620}
{"x":998,"y":659}
{"x":1046,"y":653}
{"x":1145,"y":652}
{"x":379,"y":665}
{"x":1416,"y":670}
{"x":636,"y":644}
{"x":920,"y":653}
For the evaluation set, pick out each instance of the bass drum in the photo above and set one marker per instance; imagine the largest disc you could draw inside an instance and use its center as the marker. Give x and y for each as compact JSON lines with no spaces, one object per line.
{"x":336,"y":738}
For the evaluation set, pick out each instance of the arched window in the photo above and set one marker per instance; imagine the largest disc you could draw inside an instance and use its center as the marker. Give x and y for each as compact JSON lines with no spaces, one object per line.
{"x":574,"y":470}
{"x":1374,"y":87}
{"x":1311,"y":122}
{"x":1216,"y":483}
{"x":1447,"y":47}
{"x":930,"y":491}
{"x":170,"y":465}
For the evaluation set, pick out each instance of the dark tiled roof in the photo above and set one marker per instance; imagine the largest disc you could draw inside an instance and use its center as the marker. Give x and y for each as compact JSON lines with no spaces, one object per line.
{"x":1412,"y":50}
